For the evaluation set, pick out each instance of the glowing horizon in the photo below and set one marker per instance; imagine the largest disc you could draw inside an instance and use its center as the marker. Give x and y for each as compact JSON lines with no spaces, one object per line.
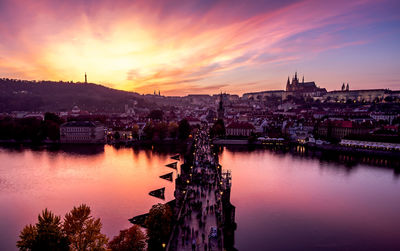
{"x":202,"y":46}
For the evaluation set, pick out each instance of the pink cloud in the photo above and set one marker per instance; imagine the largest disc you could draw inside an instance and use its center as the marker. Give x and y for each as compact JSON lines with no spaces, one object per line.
{"x":198,"y":45}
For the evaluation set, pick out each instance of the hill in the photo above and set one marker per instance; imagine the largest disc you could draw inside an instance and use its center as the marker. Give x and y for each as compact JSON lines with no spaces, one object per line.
{"x":23,"y":95}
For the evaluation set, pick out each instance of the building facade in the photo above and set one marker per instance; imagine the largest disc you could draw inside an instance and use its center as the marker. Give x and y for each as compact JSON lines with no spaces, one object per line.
{"x":264,"y":95}
{"x":240,"y":129}
{"x":339,"y":129}
{"x":356,"y":95}
{"x":82,"y":132}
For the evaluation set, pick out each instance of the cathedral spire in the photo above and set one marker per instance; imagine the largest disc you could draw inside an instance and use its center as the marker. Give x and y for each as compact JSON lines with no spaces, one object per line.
{"x":85,"y":78}
{"x":221,"y":110}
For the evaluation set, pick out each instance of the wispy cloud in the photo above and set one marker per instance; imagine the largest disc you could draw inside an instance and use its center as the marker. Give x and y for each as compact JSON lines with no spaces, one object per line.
{"x":174,"y":46}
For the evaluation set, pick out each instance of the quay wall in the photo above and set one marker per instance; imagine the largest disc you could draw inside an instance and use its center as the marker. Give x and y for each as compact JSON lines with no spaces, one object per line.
{"x":231,"y":142}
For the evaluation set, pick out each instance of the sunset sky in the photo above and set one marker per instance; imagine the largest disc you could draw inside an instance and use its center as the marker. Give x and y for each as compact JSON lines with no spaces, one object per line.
{"x":203,"y":46}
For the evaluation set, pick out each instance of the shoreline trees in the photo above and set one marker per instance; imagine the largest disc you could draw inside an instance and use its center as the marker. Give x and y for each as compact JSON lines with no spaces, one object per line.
{"x":79,"y":231}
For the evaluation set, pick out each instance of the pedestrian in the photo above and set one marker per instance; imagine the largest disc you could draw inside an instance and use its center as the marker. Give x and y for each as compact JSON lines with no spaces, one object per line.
{"x":193,"y":245}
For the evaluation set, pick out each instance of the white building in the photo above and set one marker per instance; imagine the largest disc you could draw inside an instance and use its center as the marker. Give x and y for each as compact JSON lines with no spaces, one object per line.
{"x":82,"y":132}
{"x":389,"y":117}
{"x":371,"y":145}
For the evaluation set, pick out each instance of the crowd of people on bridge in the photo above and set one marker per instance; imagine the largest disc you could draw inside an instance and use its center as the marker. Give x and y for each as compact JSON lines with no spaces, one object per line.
{"x":202,"y":208}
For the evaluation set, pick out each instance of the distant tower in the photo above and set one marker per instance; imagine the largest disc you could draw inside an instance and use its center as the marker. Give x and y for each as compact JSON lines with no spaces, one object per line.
{"x":154,"y":92}
{"x":347,"y":87}
{"x":343,"y":87}
{"x":303,"y":79}
{"x":159,"y":93}
{"x":295,"y":81}
{"x":221,"y":111}
{"x":85,"y":78}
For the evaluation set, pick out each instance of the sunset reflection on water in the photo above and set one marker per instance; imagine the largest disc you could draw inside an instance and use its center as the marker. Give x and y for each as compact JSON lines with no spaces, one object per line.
{"x":113,"y":182}
{"x":287,"y":202}
{"x":283,"y":201}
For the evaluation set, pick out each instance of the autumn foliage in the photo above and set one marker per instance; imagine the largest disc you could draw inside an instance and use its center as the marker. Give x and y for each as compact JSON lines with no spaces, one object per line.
{"x":131,"y":239}
{"x":79,"y":231}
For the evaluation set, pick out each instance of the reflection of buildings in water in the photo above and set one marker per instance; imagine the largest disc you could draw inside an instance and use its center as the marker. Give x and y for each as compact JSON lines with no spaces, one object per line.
{"x":77,"y":149}
{"x":345,"y":162}
{"x":275,"y":150}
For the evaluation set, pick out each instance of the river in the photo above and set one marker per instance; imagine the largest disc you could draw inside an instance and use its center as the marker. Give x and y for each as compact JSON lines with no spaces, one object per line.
{"x":284,"y":201}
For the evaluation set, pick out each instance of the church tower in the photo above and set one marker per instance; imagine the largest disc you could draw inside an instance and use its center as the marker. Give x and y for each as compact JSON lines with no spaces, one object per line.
{"x":85,"y":78}
{"x":221,"y":110}
{"x":295,"y":82}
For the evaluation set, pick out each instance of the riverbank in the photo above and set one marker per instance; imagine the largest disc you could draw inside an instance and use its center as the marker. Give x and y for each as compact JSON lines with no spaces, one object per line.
{"x":114,"y":143}
{"x":355,"y":151}
{"x":325,"y":147}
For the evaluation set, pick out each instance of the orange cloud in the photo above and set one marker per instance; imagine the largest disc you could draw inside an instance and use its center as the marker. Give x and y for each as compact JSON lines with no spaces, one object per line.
{"x":173,"y":46}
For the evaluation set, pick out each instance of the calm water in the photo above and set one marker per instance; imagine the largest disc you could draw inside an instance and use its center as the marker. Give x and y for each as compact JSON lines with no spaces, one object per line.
{"x":282,"y":201}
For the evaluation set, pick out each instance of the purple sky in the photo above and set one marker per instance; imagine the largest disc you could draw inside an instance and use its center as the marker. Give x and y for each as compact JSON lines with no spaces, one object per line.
{"x":182,"y":47}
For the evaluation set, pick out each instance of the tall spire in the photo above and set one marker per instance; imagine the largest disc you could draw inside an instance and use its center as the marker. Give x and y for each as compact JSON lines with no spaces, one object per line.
{"x":221,"y":110}
{"x":85,"y":78}
{"x":303,"y":79}
{"x":288,"y":84}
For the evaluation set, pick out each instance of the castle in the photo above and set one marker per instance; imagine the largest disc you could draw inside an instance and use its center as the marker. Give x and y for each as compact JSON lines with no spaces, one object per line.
{"x":305,"y":89}
{"x":311,"y":90}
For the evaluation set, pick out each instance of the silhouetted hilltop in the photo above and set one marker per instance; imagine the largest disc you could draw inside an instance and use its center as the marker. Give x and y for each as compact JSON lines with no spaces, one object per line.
{"x":23,"y":95}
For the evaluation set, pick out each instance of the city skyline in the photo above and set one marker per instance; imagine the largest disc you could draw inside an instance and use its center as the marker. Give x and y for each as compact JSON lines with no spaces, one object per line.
{"x":202,"y":46}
